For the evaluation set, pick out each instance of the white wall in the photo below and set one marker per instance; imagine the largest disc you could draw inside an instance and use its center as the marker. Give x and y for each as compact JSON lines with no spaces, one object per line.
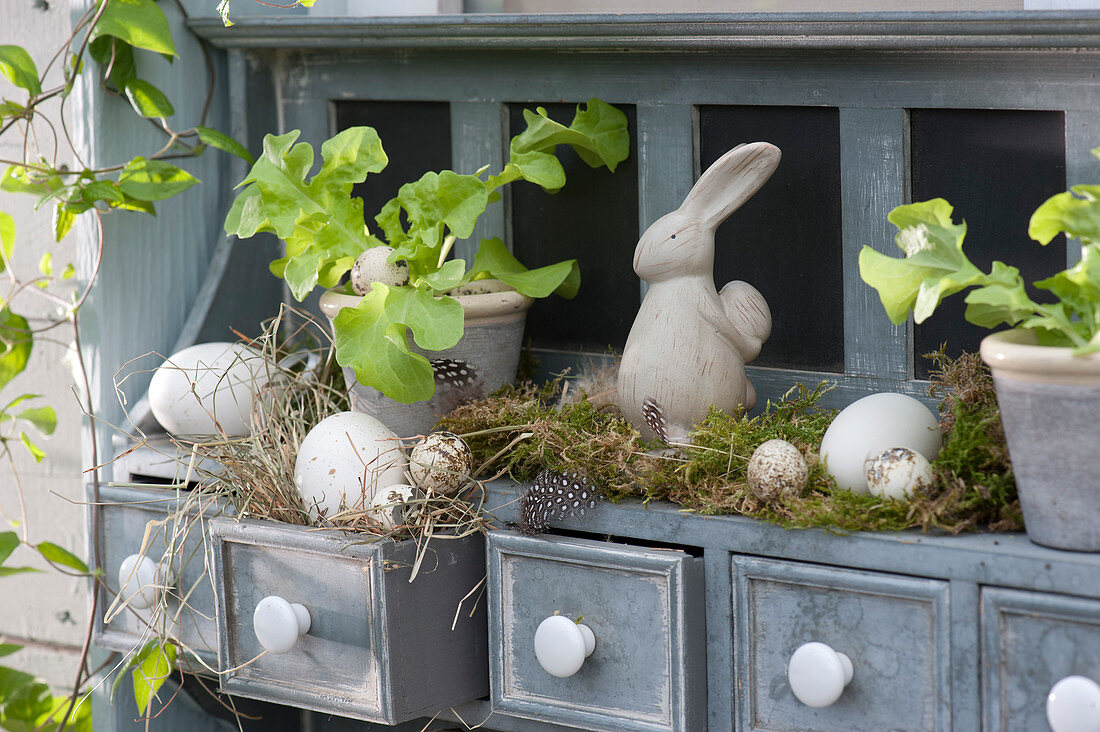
{"x":47,"y":610}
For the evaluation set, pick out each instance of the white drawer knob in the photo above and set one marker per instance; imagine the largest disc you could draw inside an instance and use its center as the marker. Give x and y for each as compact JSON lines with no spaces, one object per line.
{"x":818,"y":674}
{"x":138,"y":579}
{"x":1073,"y":705}
{"x":279,"y":624}
{"x":561,"y":645}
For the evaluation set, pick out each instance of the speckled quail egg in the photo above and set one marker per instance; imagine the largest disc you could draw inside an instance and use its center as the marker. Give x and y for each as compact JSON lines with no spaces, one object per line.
{"x":777,"y":470}
{"x":373,"y":265}
{"x":390,"y":506}
{"x":870,"y":425}
{"x":897,"y":472}
{"x":441,"y":463}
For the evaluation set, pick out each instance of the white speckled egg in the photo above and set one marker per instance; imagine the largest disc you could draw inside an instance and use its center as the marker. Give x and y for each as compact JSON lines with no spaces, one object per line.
{"x":776,"y":470}
{"x":897,"y":472}
{"x":441,"y":463}
{"x":373,"y":266}
{"x":346,"y":458}
{"x":868,"y":426}
{"x":208,"y":383}
{"x":389,"y":506}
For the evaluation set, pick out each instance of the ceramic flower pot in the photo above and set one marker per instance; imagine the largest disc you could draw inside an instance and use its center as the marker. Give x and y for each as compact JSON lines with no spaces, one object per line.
{"x":482,"y":361}
{"x":1050,"y":406}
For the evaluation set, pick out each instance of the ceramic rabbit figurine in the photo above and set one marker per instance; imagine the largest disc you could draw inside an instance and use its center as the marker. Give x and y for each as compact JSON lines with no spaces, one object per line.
{"x":689,"y":343}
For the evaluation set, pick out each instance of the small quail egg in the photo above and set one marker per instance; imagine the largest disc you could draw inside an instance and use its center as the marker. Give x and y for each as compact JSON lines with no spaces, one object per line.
{"x":777,"y":470}
{"x":390,"y":506}
{"x":373,"y":266}
{"x":897,"y":472}
{"x":441,"y":463}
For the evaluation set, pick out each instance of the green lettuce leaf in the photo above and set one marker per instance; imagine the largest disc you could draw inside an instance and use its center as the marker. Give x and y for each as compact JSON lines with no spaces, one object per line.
{"x":372,"y":339}
{"x":321,"y":223}
{"x":494,"y":259}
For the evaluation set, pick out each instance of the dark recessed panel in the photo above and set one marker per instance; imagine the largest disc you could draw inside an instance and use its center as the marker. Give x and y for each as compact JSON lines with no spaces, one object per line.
{"x":786,"y":240}
{"x":995,"y":167}
{"x":416,"y":137}
{"x":593,"y":219}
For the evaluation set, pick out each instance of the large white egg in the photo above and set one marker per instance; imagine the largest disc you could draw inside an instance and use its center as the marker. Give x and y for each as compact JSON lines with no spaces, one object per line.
{"x":347,"y":457}
{"x":209,"y":383}
{"x":869,"y":426}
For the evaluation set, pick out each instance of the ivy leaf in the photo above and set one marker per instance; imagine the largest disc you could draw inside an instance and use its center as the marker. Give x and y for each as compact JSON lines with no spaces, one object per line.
{"x":224,"y":142}
{"x":493,"y":258}
{"x":9,"y":540}
{"x":1075,"y":212}
{"x":6,"y":649}
{"x":223,"y":11}
{"x":15,"y":345}
{"x":18,"y":66}
{"x":7,"y":239}
{"x":29,"y":702}
{"x":43,"y":418}
{"x":147,"y":100}
{"x":102,"y":190}
{"x":35,"y":451}
{"x":63,"y":220}
{"x":118,"y":56}
{"x":9,"y":571}
{"x":371,"y":339}
{"x":59,"y":555}
{"x":11,"y":680}
{"x":141,"y":23}
{"x":155,"y":661}
{"x":153,"y":180}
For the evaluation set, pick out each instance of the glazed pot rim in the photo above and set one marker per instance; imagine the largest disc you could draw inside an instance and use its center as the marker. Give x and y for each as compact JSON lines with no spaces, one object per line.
{"x":503,"y":304}
{"x":1017,"y":354}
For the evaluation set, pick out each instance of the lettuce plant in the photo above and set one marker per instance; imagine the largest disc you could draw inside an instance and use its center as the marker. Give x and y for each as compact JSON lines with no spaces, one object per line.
{"x":324,"y":229}
{"x":935,"y":267}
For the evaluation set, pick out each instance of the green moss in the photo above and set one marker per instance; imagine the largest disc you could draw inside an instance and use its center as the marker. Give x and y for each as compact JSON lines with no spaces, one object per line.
{"x":521,"y":431}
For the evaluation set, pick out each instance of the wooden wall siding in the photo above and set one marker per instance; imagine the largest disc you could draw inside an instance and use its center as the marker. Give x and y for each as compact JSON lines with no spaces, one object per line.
{"x":786,"y":240}
{"x":593,"y":219}
{"x":871,"y":68}
{"x":995,"y":167}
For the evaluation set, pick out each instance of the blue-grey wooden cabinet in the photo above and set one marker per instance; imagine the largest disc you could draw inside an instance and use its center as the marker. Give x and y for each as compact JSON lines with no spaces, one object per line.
{"x":960,"y":633}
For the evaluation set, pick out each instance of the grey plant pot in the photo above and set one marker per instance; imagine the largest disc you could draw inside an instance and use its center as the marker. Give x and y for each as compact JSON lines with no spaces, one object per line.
{"x":481,"y":362}
{"x":1050,"y":406}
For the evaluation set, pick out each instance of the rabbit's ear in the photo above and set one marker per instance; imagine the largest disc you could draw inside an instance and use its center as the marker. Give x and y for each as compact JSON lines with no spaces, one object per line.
{"x":731,"y":181}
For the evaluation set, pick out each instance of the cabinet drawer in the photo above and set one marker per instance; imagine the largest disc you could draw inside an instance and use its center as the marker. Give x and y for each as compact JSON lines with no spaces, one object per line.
{"x":379,"y":647}
{"x":1031,"y":641}
{"x":895,"y":630}
{"x":124,"y":516}
{"x":644,"y":607}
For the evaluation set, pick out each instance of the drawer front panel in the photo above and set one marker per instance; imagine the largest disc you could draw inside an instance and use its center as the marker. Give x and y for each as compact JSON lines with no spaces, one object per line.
{"x":645,"y":610}
{"x":335,"y":666}
{"x":1030,"y":641}
{"x":124,"y":517}
{"x":895,"y":630}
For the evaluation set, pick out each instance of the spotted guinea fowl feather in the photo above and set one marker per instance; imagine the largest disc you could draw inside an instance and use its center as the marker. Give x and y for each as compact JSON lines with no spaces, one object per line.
{"x":553,"y":497}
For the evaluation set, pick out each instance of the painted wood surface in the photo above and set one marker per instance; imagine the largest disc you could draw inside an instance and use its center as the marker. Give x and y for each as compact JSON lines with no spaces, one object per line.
{"x":645,"y":609}
{"x":126,"y":516}
{"x":381,"y":648}
{"x":895,"y":630}
{"x":1030,"y":642}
